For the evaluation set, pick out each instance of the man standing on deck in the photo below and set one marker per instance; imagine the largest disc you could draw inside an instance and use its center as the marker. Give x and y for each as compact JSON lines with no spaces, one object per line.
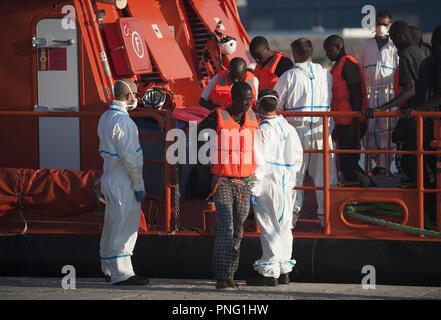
{"x":418,"y":71}
{"x":270,"y":64}
{"x":413,"y":94}
{"x":122,"y":186}
{"x":218,"y":92}
{"x":379,"y":59}
{"x":348,"y":94}
{"x":308,"y":87}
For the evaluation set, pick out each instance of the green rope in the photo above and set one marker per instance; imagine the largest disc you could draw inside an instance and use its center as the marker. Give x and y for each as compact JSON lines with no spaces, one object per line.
{"x":375,"y":208}
{"x":393,"y":225}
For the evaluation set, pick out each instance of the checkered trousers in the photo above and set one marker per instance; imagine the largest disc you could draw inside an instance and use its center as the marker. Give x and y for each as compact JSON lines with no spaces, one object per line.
{"x":232,"y":208}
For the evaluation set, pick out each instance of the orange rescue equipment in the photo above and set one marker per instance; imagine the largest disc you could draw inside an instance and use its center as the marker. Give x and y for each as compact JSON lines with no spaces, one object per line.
{"x":221,"y":93}
{"x":234,"y":148}
{"x":266,"y":74}
{"x":50,"y":193}
{"x":340,"y":91}
{"x":127,"y":47}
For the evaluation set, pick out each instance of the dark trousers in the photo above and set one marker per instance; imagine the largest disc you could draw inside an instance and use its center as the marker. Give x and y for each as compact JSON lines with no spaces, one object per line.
{"x":348,"y":163}
{"x":429,"y":162}
{"x":399,"y":137}
{"x":401,"y":161}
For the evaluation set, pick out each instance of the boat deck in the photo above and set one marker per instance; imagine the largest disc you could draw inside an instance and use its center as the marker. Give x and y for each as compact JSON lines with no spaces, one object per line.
{"x":190,"y":220}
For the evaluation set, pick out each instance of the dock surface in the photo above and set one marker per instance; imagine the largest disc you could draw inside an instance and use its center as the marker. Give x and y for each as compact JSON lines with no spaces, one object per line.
{"x":32,"y":288}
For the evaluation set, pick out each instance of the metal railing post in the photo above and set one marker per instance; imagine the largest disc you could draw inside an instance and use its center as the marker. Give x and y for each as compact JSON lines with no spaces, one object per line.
{"x":388,"y":157}
{"x":437,"y":145}
{"x":420,"y":170}
{"x":326,"y":194}
{"x":167,"y":176}
{"x":167,"y":208}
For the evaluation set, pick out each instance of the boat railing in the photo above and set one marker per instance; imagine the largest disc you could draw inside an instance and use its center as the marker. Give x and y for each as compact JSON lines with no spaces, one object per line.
{"x":410,"y":199}
{"x":336,"y":223}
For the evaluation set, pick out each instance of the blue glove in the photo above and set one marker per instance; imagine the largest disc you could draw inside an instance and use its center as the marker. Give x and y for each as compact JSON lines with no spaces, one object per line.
{"x":140,"y":196}
{"x":253,"y":200}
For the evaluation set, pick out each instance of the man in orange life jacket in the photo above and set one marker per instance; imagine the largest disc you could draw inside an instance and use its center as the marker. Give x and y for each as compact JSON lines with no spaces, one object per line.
{"x":348,"y":94}
{"x":218,"y":92}
{"x":270,"y":64}
{"x":232,"y":165}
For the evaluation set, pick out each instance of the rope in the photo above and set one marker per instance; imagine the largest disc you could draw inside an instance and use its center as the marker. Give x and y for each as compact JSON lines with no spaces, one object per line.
{"x":393,"y":225}
{"x":21,"y":208}
{"x":375,"y":208}
{"x":214,"y":189}
{"x":177,"y":207}
{"x":177,"y":199}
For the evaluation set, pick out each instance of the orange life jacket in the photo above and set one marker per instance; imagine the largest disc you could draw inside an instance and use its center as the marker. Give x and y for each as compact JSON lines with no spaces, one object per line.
{"x":221,"y":93}
{"x":397,"y":88}
{"x":340,"y":91}
{"x":266,"y":74}
{"x":234,"y":159}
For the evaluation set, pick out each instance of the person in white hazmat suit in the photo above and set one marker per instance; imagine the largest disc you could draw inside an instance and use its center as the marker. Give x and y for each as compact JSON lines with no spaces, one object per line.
{"x":379,"y":59}
{"x":122,"y":186}
{"x":279,"y":156}
{"x":308,"y":87}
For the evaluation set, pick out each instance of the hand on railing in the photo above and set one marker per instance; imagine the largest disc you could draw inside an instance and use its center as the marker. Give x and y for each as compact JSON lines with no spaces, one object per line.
{"x":369,"y":113}
{"x":406,"y":112}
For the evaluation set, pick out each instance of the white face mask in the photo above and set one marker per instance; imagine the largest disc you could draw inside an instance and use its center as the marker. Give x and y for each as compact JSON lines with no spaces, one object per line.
{"x":132,"y":106}
{"x":382,"y":31}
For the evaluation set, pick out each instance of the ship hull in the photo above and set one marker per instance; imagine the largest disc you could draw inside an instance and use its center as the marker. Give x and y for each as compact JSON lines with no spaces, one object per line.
{"x":415,"y":263}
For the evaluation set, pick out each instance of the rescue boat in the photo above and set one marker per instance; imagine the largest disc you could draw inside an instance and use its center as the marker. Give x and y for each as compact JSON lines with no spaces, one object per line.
{"x":59,"y":60}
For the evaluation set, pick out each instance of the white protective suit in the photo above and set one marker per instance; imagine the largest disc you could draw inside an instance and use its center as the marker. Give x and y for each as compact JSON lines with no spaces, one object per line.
{"x":122,"y":176}
{"x":379,"y":67}
{"x":308,"y":87}
{"x":279,"y":157}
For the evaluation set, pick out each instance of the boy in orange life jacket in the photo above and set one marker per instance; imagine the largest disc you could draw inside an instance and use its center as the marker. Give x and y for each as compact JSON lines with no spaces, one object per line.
{"x":348,"y":94}
{"x":231,"y":179}
{"x":218,"y":92}
{"x":270,"y":64}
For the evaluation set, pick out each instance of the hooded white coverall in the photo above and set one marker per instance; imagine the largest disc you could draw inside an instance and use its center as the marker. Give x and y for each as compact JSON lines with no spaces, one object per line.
{"x":122,"y":176}
{"x":379,"y":67}
{"x":279,"y":156}
{"x":308,"y":87}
